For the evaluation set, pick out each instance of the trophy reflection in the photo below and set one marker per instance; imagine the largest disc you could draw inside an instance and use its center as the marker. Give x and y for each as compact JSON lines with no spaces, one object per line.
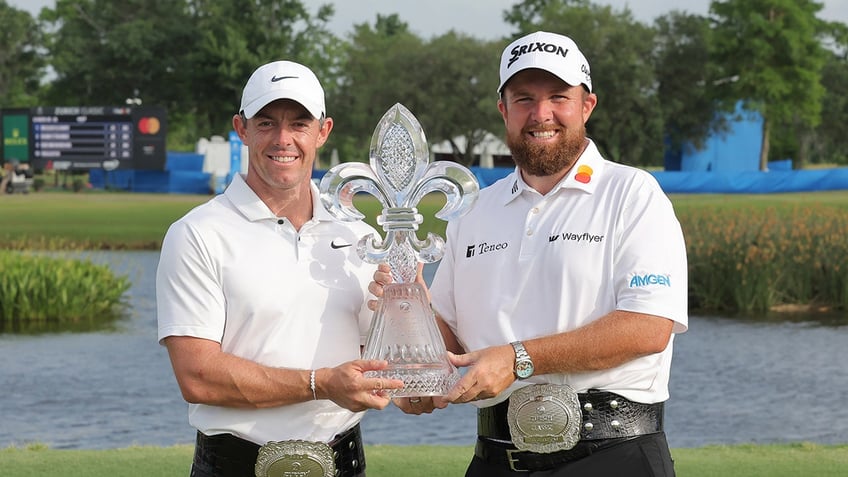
{"x":403,"y":330}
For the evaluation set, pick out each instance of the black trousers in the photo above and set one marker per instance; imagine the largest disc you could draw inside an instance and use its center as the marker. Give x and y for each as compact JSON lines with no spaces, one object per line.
{"x":644,"y":456}
{"x":225,"y":455}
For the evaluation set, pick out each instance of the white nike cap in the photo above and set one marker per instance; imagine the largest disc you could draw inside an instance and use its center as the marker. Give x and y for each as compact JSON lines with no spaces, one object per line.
{"x":282,"y":80}
{"x":552,"y":52}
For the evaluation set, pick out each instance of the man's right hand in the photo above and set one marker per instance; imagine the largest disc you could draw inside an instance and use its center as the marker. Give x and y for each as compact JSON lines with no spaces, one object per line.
{"x":347,"y":386}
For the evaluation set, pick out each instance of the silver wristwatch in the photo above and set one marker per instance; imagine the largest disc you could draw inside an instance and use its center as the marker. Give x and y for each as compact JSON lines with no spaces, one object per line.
{"x":523,"y":364}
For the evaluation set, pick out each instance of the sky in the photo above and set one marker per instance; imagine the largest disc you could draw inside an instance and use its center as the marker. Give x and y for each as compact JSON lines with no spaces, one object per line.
{"x":477,"y":18}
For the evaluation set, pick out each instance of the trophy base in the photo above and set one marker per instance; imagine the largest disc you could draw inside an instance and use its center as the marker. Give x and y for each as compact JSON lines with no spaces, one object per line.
{"x":404,"y":333}
{"x":419,"y":379}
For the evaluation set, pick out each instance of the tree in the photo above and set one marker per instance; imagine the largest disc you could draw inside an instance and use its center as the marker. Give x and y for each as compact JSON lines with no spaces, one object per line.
{"x":444,"y":82}
{"x":192,"y":57}
{"x":771,"y":48}
{"x":105,"y":52}
{"x":376,"y":71}
{"x":455,"y":92}
{"x":627,"y":124}
{"x":21,"y":62}
{"x":686,"y":79}
{"x":235,"y":37}
{"x":829,"y":143}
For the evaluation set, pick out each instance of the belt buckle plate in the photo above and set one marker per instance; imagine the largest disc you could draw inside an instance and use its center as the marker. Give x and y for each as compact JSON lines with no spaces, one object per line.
{"x":544,"y":418}
{"x":295,"y":459}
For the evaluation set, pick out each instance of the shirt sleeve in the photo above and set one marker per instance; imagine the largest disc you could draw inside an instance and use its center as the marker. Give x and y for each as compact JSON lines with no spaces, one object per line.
{"x":189,"y":295}
{"x":650,"y":262}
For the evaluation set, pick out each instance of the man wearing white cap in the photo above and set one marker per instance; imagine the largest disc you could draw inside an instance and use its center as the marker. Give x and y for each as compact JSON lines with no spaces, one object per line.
{"x":561,"y":290}
{"x":262,"y":302}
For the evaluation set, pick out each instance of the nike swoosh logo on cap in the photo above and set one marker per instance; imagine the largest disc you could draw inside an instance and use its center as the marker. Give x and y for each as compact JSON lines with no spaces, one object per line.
{"x":333,"y":244}
{"x":274,"y":78}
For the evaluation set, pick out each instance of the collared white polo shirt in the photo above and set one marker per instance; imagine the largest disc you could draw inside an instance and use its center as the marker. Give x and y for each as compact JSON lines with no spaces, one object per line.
{"x":232,"y":272}
{"x":521,"y":265}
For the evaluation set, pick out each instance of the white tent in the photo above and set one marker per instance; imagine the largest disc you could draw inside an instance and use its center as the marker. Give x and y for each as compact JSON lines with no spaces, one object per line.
{"x":490,"y":146}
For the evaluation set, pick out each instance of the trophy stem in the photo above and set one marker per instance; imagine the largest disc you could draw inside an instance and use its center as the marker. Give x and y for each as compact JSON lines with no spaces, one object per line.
{"x":404,"y":333}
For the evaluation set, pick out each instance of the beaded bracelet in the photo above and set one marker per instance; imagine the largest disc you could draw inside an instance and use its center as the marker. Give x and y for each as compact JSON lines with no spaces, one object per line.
{"x":312,"y":384}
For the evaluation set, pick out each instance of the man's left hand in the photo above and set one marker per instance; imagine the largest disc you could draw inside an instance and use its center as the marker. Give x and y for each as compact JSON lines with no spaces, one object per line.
{"x":490,"y":371}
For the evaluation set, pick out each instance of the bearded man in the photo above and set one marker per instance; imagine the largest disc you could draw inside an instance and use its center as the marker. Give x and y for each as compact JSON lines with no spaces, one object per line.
{"x":561,"y":290}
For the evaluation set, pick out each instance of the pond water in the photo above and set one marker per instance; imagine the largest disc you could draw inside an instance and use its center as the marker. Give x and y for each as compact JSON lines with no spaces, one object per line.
{"x":733,"y":381}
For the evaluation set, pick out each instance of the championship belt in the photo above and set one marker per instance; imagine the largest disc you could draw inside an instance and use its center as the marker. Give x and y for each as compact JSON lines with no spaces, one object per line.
{"x":295,"y":459}
{"x":544,"y":418}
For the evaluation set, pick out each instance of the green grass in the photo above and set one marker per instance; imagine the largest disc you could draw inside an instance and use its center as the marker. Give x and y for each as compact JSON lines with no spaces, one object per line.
{"x":779,"y":460}
{"x":109,"y":220}
{"x":62,"y":220}
{"x":685,"y":202}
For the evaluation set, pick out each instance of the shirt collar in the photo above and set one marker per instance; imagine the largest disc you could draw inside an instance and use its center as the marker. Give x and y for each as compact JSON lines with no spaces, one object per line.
{"x":251,"y":206}
{"x":583,"y":175}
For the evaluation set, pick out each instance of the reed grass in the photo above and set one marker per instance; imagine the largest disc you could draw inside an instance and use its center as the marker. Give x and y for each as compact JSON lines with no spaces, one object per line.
{"x":37,"y":291}
{"x":752,"y":260}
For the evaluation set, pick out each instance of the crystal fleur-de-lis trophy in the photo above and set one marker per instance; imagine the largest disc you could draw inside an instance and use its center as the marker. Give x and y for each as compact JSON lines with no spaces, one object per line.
{"x":403,"y":330}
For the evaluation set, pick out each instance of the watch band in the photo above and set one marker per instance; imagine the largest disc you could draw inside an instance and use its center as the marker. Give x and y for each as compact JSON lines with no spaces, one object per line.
{"x":520,"y":351}
{"x":523,"y":367}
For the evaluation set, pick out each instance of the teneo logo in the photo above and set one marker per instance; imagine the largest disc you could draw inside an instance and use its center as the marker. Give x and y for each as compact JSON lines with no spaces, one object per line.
{"x":484,"y":247}
{"x":578,"y":237}
{"x":649,"y":279}
{"x":537,"y":46}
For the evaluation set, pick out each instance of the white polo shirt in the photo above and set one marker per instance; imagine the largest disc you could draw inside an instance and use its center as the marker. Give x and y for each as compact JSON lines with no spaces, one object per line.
{"x":232,"y":272}
{"x":521,"y":265}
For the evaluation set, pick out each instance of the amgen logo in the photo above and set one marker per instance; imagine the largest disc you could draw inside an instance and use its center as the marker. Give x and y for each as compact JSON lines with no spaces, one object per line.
{"x":649,"y":279}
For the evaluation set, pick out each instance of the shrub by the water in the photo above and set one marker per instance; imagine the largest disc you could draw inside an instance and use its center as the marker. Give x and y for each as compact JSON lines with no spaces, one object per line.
{"x":40,"y":289}
{"x":755,"y":259}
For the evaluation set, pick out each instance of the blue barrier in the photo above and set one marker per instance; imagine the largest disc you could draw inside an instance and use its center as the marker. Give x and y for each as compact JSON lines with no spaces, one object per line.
{"x":777,"y":180}
{"x":183,"y":174}
{"x":729,"y":182}
{"x":752,"y":182}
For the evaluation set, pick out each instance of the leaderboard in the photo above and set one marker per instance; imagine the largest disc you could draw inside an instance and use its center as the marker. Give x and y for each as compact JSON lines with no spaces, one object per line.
{"x":81,"y":137}
{"x":85,"y":137}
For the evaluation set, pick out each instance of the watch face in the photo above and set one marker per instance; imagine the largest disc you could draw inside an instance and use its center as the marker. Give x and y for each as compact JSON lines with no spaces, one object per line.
{"x":523,"y":369}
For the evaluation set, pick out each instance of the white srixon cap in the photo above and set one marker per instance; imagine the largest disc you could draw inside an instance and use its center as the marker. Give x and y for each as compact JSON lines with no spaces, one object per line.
{"x":552,"y":52}
{"x":283,"y":80}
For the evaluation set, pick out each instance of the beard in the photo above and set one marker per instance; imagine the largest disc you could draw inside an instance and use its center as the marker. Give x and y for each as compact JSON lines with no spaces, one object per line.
{"x":546,"y":159}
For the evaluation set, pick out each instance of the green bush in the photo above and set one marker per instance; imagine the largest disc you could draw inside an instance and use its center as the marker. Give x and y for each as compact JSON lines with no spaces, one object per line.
{"x":38,"y":290}
{"x":78,"y":184}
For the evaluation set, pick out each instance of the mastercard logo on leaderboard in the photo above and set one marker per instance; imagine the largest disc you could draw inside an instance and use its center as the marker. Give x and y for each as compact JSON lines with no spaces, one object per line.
{"x":149,"y":125}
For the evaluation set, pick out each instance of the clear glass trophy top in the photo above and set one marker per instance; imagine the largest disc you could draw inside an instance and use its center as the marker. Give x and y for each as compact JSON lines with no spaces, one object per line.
{"x":403,"y":331}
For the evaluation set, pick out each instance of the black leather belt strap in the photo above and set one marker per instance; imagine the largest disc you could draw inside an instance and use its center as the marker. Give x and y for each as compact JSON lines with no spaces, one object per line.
{"x":608,"y":419}
{"x":606,"y":415}
{"x":226,"y":454}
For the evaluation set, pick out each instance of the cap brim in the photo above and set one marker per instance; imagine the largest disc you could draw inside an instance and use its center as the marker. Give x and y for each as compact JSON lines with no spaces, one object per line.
{"x":257,"y":104}
{"x":572,"y":81}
